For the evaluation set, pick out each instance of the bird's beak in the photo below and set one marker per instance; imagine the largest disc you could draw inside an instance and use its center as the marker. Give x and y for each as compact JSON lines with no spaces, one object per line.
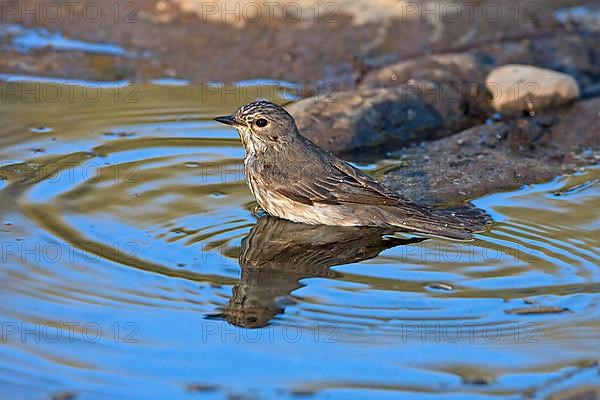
{"x":227,"y":120}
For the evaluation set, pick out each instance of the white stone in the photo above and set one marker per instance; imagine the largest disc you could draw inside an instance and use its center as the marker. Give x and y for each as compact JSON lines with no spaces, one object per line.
{"x":516,"y":87}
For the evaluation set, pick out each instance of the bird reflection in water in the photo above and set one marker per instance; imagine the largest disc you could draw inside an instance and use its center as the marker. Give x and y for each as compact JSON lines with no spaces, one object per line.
{"x":277,"y":254}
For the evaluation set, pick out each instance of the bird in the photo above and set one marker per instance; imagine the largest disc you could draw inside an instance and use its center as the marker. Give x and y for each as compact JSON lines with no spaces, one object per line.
{"x":294,"y":179}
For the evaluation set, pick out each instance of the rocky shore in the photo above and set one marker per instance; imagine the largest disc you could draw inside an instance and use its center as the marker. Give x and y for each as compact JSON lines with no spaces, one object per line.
{"x":500,"y":155}
{"x":460,"y":125}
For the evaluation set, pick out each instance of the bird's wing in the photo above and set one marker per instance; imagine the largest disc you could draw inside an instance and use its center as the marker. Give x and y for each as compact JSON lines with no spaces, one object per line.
{"x":342,"y":183}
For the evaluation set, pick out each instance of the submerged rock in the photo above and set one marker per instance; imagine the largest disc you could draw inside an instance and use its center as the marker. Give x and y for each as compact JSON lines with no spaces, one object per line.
{"x":527,"y":88}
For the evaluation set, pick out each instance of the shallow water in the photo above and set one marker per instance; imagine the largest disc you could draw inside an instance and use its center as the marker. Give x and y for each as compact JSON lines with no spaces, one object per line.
{"x":133,"y":267}
{"x":25,"y":40}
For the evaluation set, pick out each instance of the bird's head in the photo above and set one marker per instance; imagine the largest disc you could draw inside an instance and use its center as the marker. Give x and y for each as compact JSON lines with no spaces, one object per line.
{"x":261,"y":124}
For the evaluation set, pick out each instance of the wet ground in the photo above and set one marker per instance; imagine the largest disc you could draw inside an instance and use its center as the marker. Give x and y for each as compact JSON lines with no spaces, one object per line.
{"x":133,"y":267}
{"x":320,"y":45}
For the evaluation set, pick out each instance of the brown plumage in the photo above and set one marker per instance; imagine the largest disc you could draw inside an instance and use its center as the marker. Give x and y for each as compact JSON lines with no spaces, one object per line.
{"x":294,"y":179}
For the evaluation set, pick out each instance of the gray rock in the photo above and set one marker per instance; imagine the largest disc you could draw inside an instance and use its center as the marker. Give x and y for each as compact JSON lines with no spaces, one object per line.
{"x":380,"y":119}
{"x":457,"y":68}
{"x":499,"y":156}
{"x":459,"y":77}
{"x":517,"y":87}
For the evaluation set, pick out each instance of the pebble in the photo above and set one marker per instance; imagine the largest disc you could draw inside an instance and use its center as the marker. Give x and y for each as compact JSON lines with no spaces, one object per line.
{"x":516,"y":87}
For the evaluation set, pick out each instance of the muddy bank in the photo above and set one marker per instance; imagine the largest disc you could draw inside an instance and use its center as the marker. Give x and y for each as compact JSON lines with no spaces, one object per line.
{"x":501,"y":155}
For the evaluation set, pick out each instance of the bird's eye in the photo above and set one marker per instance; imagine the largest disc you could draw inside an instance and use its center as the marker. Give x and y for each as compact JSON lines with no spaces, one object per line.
{"x":261,"y":122}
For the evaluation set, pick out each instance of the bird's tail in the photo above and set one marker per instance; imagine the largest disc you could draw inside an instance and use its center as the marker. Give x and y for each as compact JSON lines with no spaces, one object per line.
{"x":454,"y":223}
